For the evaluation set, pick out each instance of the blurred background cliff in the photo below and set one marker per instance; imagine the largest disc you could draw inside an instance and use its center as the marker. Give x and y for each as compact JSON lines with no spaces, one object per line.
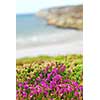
{"x":64,"y":17}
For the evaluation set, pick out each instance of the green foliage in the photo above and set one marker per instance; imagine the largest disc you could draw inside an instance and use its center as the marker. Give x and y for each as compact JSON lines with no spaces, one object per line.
{"x":26,"y":67}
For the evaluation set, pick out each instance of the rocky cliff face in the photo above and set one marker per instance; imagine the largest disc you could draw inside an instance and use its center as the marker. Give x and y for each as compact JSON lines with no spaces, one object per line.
{"x":64,"y":17}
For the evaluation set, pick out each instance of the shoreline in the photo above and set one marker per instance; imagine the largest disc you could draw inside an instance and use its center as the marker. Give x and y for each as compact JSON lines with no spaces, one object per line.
{"x":70,"y":42}
{"x":56,"y":37}
{"x":51,"y":50}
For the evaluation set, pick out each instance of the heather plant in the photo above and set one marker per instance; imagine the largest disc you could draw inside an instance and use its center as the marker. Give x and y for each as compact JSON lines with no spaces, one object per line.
{"x":74,"y":73}
{"x":49,"y":83}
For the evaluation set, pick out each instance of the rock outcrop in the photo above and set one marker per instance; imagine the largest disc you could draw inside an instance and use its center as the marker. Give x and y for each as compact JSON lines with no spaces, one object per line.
{"x":64,"y":17}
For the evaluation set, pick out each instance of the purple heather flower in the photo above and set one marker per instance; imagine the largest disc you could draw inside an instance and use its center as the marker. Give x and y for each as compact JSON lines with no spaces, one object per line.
{"x":16,"y":95}
{"x":47,"y":68}
{"x":76,"y":93}
{"x":65,"y":90}
{"x":76,"y":88}
{"x":31,"y":95}
{"x":62,"y":91}
{"x":72,"y":99}
{"x":38,"y":79}
{"x":67,"y":80}
{"x":48,"y":76}
{"x":57,"y":77}
{"x":62,"y":68}
{"x":62,"y":85}
{"x":75,"y":83}
{"x":26,"y":86}
{"x":69,"y":88}
{"x":31,"y":87}
{"x":51,"y":99}
{"x":54,"y":71}
{"x":38,"y":88}
{"x":57,"y":89}
{"x":24,"y":94}
{"x":41,"y":76}
{"x":34,"y":91}
{"x":26,"y":82}
{"x":52,"y":84}
{"x":17,"y":91}
{"x":20,"y":84}
{"x":45,"y":93}
{"x":43,"y":83}
{"x":81,"y":88}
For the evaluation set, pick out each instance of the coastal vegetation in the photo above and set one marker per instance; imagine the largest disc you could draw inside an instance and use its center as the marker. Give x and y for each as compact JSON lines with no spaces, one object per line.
{"x":49,"y":78}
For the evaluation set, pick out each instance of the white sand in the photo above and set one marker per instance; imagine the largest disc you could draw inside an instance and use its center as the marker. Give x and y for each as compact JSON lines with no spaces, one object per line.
{"x":74,"y":47}
{"x":70,"y":43}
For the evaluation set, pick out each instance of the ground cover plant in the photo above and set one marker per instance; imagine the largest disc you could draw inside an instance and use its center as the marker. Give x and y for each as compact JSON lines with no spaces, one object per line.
{"x":49,"y":78}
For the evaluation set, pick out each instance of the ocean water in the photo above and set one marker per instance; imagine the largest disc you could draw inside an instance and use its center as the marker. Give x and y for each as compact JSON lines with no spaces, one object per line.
{"x":33,"y":31}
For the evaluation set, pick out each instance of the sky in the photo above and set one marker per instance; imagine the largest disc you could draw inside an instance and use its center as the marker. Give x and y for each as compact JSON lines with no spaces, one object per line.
{"x":32,"y":6}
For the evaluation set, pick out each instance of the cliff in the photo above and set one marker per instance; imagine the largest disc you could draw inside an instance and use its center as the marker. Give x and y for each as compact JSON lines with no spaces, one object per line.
{"x":64,"y":17}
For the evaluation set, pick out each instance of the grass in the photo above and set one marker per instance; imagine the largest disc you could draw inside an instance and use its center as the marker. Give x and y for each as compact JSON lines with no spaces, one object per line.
{"x":75,"y":59}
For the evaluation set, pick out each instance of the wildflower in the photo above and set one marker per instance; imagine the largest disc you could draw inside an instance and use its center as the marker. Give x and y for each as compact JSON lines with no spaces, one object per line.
{"x":48,"y":76}
{"x":81,"y":88}
{"x":57,"y":77}
{"x":41,"y":76}
{"x":16,"y":95}
{"x":67,"y":80}
{"x":31,"y":95}
{"x":62,"y":91}
{"x":47,"y":68}
{"x":45,"y":93}
{"x":24,"y":94}
{"x":20,"y":84}
{"x":52,"y":84}
{"x":75,"y":83}
{"x":76,"y":93}
{"x":38,"y":79}
{"x":62,"y":85}
{"x":26,"y":82}
{"x":57,"y":89}
{"x":26,"y":86}
{"x":69,"y":88}
{"x":51,"y":99}
{"x":38,"y":88}
{"x":62,"y":68}
{"x":34,"y":91}
{"x":43,"y":83}
{"x":54,"y":71}
{"x":72,"y":99}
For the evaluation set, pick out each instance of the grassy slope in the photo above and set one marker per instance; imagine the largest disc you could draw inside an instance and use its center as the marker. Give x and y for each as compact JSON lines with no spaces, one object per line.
{"x":69,"y":58}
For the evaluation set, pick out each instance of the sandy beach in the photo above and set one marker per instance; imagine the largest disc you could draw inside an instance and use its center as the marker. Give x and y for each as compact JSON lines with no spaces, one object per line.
{"x":70,"y":43}
{"x":74,"y":47}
